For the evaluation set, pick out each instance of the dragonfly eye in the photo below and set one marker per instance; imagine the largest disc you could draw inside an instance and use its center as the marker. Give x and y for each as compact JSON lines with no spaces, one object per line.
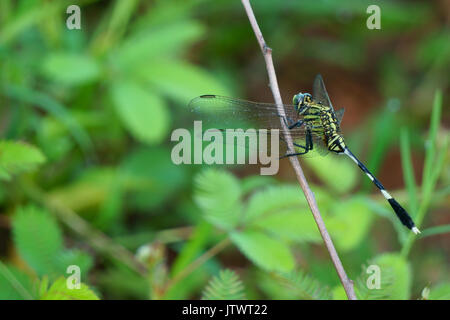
{"x":300,"y":99}
{"x":295,"y":100}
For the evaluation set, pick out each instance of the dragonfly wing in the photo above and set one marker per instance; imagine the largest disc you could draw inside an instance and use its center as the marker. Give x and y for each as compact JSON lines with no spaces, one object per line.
{"x":225,"y":112}
{"x":340,"y":114}
{"x":320,"y":92}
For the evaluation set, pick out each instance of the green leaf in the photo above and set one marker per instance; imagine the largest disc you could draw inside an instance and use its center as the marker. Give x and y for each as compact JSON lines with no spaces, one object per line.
{"x":300,"y":285}
{"x":60,"y":291}
{"x":440,"y":292}
{"x":282,"y":211}
{"x":225,"y":286}
{"x":157,"y":42}
{"x":339,"y":293}
{"x":38,"y":239}
{"x":365,"y":292}
{"x":350,"y":222}
{"x":268,"y":253}
{"x":292,"y":225}
{"x":430,"y":152}
{"x":71,"y":68}
{"x":18,"y":157}
{"x":142,"y":112}
{"x":273,"y":199}
{"x":399,"y":271}
{"x":180,"y":80}
{"x":432,"y":231}
{"x":14,"y":284}
{"x":338,"y":173}
{"x":218,"y":194}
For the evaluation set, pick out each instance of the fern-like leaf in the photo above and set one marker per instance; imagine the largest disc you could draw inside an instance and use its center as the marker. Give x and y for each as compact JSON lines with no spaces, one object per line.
{"x":303,"y":286}
{"x":59,"y":290}
{"x":226,"y":286}
{"x":363,"y":292}
{"x":38,"y":239}
{"x":218,"y":194}
{"x":395,"y":279}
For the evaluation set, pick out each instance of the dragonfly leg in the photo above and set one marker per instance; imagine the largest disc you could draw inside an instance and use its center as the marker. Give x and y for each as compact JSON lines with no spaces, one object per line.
{"x":291,"y":124}
{"x":295,"y":144}
{"x":298,"y":124}
{"x":307,"y":147}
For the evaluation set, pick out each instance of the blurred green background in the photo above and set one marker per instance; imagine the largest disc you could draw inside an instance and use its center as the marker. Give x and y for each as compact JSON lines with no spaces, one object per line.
{"x":87,"y":179}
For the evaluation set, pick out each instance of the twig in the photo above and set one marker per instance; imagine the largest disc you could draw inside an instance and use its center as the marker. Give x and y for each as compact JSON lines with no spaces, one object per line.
{"x":97,"y":239}
{"x":198,"y":262}
{"x":267,"y":53}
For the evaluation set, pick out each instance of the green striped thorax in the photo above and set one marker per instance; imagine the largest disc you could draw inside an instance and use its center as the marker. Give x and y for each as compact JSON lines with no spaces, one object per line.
{"x":321,"y":120}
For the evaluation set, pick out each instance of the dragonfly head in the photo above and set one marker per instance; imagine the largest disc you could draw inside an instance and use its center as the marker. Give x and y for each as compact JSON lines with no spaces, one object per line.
{"x":301,"y":99}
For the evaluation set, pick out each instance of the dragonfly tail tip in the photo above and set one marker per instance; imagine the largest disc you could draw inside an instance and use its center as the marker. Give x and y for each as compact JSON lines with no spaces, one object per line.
{"x":415,"y":230}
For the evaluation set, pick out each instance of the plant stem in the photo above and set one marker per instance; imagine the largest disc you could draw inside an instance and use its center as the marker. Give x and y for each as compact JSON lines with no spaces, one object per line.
{"x":198,"y":262}
{"x":96,"y":238}
{"x":267,"y":53}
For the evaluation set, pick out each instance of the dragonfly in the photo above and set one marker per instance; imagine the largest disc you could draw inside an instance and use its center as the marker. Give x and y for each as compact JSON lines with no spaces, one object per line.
{"x":312,"y":122}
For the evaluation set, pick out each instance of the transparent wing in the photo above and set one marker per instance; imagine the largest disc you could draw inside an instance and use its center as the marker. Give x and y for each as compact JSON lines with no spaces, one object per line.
{"x":320,"y":92}
{"x":340,"y":114}
{"x":223,"y":113}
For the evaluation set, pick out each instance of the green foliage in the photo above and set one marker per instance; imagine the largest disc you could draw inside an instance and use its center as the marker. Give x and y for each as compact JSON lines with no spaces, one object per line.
{"x":299,"y":285}
{"x":273,"y":216}
{"x":48,"y":104}
{"x":70,"y":69}
{"x":97,"y":105}
{"x":440,"y":292}
{"x":434,"y":163}
{"x":119,"y":281}
{"x":225,"y":286}
{"x":218,"y":195}
{"x":180,"y":80}
{"x":337,"y":173}
{"x":268,"y":253}
{"x":350,"y":222}
{"x":143,"y":113}
{"x":397,"y":276}
{"x":59,"y":290}
{"x":38,"y":238}
{"x":157,"y":42}
{"x":14,"y":284}
{"x":152,"y":177}
{"x":18,"y":157}
{"x":386,"y":285}
{"x":281,"y":211}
